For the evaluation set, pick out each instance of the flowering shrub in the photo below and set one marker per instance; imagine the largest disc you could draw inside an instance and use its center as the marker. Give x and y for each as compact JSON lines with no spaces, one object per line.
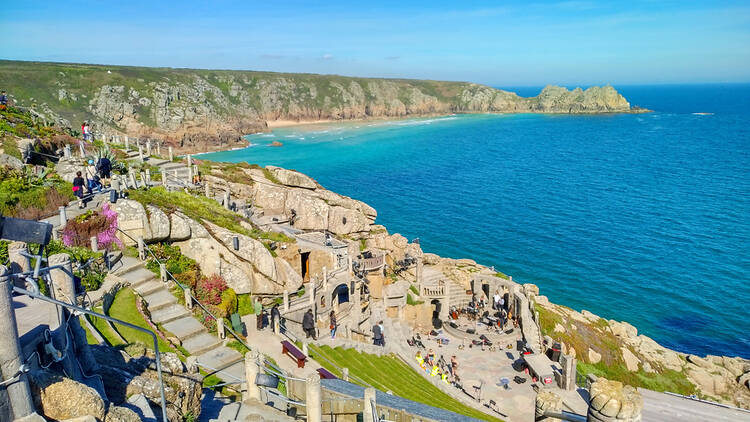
{"x":184,"y":269}
{"x":102,"y":224}
{"x":209,"y":289}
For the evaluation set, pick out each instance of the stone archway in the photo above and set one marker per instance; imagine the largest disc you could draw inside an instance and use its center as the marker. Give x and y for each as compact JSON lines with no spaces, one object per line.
{"x":437,"y":310}
{"x":340,"y":295}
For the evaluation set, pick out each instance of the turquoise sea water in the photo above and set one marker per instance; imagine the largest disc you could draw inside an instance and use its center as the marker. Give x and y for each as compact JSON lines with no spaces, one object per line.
{"x":643,"y":218}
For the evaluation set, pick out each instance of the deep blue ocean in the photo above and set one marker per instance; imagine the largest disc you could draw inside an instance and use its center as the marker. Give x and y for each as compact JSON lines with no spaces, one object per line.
{"x":636,"y":217}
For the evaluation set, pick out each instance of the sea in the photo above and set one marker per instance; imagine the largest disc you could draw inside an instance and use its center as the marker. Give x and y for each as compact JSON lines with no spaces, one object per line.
{"x":637,"y":217}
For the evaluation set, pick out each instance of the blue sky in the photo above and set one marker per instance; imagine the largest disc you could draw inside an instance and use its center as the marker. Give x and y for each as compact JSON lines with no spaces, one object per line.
{"x":497,"y":43}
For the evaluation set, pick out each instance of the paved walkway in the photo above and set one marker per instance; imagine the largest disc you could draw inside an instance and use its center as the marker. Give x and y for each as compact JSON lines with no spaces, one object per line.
{"x":660,"y":407}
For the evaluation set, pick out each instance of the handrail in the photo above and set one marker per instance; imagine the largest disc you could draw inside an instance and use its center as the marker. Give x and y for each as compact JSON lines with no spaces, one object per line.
{"x":110,"y":319}
{"x":184,"y":288}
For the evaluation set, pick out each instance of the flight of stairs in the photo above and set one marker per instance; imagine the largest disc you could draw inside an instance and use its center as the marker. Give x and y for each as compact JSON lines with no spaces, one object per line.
{"x":208,"y":349}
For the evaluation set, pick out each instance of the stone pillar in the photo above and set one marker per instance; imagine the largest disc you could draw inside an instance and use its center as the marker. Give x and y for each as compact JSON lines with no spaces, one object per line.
{"x":18,"y":262}
{"x":141,"y":248}
{"x":220,"y":328}
{"x":127,"y":143}
{"x":158,"y":148}
{"x":313,"y":399}
{"x":171,"y":154}
{"x":568,"y":377}
{"x":94,"y":244}
{"x":63,"y":287}
{"x":148,"y":177}
{"x":133,"y":182}
{"x":164,"y":178}
{"x":345,"y":374}
{"x":148,"y":148}
{"x":115,"y":184}
{"x":189,"y":160}
{"x":63,"y":216}
{"x":369,"y":412}
{"x":80,"y":148}
{"x":140,"y":153}
{"x":350,"y":270}
{"x":66,"y":152}
{"x":188,"y":298}
{"x":189,"y":175}
{"x":252,"y":369}
{"x":163,"y":272}
{"x":19,"y":393}
{"x":286,"y":300}
{"x":613,"y":402}
{"x":143,"y":179}
{"x":420,"y":268}
{"x":227,"y":199}
{"x":208,"y":189}
{"x":547,"y":401}
{"x":305,"y":349}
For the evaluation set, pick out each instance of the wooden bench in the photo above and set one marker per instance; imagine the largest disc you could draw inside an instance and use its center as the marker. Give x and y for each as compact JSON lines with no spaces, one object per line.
{"x":326,"y":374}
{"x":295,"y":353}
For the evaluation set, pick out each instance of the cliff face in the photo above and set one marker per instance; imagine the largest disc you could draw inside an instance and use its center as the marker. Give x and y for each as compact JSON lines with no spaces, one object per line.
{"x":205,"y":109}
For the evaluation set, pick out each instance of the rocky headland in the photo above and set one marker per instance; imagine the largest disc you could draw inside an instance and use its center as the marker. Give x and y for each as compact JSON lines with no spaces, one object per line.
{"x":206,"y":110}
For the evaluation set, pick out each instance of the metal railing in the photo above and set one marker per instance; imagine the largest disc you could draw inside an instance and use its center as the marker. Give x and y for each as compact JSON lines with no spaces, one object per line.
{"x":58,"y":303}
{"x":187,"y":289}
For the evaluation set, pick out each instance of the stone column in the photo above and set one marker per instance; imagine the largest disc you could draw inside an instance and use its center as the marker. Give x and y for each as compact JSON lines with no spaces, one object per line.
{"x":115,"y":184}
{"x":420,"y":265}
{"x":189,"y":175}
{"x":63,"y":216}
{"x":143,"y":179}
{"x":208,"y":189}
{"x":133,"y":182}
{"x":220,"y":328}
{"x":80,"y":148}
{"x":350,"y":270}
{"x":189,"y":160}
{"x":568,"y":378}
{"x":19,"y":393}
{"x":547,"y":401}
{"x":158,"y":148}
{"x":345,"y":374}
{"x":171,"y":154}
{"x":252,"y":369}
{"x":188,"y":298}
{"x":305,"y":350}
{"x":18,"y":262}
{"x":313,"y":399}
{"x":164,"y":178}
{"x":369,"y":412}
{"x":141,"y":248}
{"x":66,"y":152}
{"x":613,"y":402}
{"x":148,"y":148}
{"x":140,"y":153}
{"x":163,"y":272}
{"x":94,"y":244}
{"x":227,"y":199}
{"x":148,"y":177}
{"x":127,"y":143}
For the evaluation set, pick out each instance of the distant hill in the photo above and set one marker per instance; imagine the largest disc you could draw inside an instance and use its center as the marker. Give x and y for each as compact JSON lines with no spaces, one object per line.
{"x":210,"y":109}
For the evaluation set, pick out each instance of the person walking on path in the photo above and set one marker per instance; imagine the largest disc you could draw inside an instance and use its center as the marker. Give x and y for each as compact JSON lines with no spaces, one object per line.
{"x":78,"y":183}
{"x":275,"y":315}
{"x":382,"y":333}
{"x":308,"y":324}
{"x":258,"y":311}
{"x":105,"y":167}
{"x":334,"y":325}
{"x":377,"y":335}
{"x":92,"y":177}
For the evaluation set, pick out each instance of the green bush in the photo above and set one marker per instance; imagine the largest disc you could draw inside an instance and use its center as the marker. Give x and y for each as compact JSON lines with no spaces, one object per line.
{"x":245,"y":304}
{"x":228,"y":304}
{"x":92,"y":280}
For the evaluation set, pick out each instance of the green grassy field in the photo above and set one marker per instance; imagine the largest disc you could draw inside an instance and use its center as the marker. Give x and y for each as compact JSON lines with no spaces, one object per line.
{"x":389,"y":373}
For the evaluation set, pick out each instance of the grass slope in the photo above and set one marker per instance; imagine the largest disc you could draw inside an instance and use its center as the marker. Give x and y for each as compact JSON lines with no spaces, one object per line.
{"x":388,"y":373}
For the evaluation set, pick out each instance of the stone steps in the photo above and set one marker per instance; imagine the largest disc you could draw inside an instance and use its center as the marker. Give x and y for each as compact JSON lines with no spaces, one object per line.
{"x":160,"y":299}
{"x":147,"y":287}
{"x":221,"y":358}
{"x":169,"y":313}
{"x":185,"y":328}
{"x":201,"y":343}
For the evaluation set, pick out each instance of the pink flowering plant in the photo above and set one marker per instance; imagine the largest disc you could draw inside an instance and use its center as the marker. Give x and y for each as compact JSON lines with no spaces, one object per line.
{"x":102,"y":224}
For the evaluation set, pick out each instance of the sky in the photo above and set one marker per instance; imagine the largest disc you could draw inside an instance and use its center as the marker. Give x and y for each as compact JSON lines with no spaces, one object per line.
{"x":512,"y":43}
